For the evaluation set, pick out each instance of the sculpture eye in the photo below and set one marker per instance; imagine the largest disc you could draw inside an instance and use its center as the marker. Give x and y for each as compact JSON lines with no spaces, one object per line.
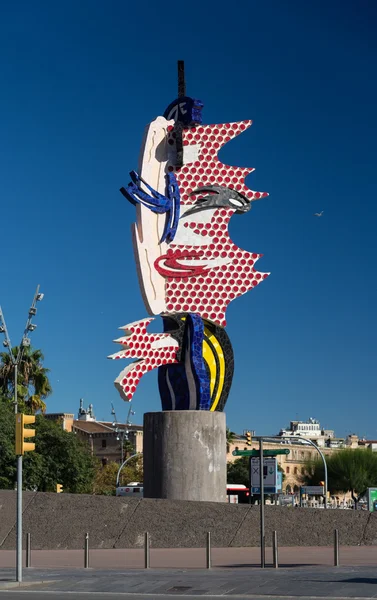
{"x":235,"y":202}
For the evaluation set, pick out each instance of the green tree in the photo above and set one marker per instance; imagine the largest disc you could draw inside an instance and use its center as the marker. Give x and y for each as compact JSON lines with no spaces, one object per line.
{"x":33,"y":385}
{"x":238,"y":471}
{"x":105,"y":478}
{"x":348,"y":471}
{"x":106,"y":475}
{"x":230,"y":438}
{"x":128,"y":448}
{"x":59,"y":457}
{"x":8,"y":468}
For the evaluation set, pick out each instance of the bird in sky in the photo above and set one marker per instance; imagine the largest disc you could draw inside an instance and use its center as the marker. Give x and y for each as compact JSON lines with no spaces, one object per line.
{"x":318,"y":214}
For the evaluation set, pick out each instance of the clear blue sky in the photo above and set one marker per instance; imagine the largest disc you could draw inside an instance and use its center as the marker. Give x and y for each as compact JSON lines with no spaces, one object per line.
{"x":80,"y":80}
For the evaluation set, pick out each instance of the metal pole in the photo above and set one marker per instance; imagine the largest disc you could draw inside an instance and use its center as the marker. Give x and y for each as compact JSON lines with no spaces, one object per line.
{"x":261,"y":485}
{"x":336,"y":548}
{"x":326,"y":487}
{"x":86,"y":551}
{"x":19,"y":494}
{"x":28,"y":550}
{"x":208,"y":550}
{"x":147,"y":557}
{"x":250,"y":486}
{"x":123,"y":464}
{"x":16,"y":361}
{"x":275,"y":550}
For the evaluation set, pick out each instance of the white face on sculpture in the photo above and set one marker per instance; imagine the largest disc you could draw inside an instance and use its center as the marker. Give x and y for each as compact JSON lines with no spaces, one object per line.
{"x":174,"y":276}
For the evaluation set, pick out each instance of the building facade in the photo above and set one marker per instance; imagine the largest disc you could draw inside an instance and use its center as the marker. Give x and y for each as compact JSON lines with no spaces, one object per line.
{"x":108,"y":441}
{"x":293,"y":464}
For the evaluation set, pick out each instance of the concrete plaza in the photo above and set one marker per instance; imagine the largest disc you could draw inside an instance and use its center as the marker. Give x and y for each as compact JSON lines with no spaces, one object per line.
{"x":304,"y":573}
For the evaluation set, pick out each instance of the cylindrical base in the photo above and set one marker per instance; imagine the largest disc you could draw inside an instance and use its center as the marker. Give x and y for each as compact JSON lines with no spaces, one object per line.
{"x":184,"y":455}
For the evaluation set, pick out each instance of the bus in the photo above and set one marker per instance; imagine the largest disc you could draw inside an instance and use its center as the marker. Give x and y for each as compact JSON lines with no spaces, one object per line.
{"x":237,"y":493}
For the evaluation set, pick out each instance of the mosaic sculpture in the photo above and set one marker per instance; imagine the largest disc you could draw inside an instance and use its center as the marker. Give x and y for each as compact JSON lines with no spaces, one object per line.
{"x":189,"y":269}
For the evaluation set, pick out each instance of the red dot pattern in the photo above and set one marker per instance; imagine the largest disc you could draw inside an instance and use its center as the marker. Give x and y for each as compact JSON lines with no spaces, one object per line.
{"x":209,"y":294}
{"x":208,"y":170}
{"x":139,"y":345}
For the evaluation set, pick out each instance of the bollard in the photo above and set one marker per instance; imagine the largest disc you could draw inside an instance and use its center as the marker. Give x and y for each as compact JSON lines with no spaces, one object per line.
{"x":28,"y":550}
{"x":275,"y":550}
{"x":208,"y":550}
{"x":86,"y":551}
{"x":336,"y":548}
{"x":146,"y":550}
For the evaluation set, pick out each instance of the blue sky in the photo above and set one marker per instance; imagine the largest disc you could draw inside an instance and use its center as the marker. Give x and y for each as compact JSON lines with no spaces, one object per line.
{"x":80,"y":80}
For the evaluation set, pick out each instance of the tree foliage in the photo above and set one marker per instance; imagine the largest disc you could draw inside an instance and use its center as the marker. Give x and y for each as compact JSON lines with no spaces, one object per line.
{"x":238,"y":471}
{"x":105,"y":476}
{"x":33,"y":385}
{"x":348,"y":471}
{"x":230,"y":437}
{"x":59,"y":457}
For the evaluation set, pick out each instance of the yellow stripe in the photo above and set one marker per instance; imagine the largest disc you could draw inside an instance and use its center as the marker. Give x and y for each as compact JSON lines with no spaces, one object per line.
{"x":211,"y":362}
{"x":220,"y":356}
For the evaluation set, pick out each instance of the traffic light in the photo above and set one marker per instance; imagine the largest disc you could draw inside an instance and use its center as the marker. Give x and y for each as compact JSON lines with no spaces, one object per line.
{"x":21,"y":433}
{"x":248,"y":438}
{"x":59,"y":488}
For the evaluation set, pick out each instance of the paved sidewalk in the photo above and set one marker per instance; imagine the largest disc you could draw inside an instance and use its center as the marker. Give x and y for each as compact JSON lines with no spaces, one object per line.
{"x":300,"y":582}
{"x":194,"y":558}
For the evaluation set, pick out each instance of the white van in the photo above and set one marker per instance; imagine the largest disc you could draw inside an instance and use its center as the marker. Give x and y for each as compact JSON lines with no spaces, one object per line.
{"x":134,"y":489}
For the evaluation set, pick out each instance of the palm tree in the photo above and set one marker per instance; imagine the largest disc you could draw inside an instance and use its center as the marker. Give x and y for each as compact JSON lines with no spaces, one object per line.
{"x":230,"y":437}
{"x":33,"y":385}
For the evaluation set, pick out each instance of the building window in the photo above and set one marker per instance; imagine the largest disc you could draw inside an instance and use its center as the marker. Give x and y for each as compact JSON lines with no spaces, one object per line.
{"x":103,"y":443}
{"x":236,"y":448}
{"x":295,"y":470}
{"x":287,"y":470}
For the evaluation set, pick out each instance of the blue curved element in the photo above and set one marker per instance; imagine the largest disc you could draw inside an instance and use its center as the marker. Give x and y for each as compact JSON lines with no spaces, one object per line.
{"x":156,"y":202}
{"x":186,"y":385}
{"x":185,"y":110}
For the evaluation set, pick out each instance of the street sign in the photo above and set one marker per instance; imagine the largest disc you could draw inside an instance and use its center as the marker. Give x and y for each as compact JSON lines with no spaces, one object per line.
{"x":279,"y":481}
{"x":256,"y":452}
{"x":267,"y":490}
{"x":270,"y":468}
{"x":372,"y":499}
{"x":313,"y":490}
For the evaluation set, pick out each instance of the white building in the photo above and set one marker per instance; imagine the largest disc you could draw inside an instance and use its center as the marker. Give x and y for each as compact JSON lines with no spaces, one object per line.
{"x":312,"y":430}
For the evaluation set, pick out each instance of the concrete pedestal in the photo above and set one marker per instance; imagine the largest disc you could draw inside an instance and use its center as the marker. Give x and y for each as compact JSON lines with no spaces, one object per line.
{"x":184,"y":455}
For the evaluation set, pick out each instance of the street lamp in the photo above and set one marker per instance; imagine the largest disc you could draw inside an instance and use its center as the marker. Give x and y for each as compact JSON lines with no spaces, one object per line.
{"x":15,"y":361}
{"x":122,"y":433}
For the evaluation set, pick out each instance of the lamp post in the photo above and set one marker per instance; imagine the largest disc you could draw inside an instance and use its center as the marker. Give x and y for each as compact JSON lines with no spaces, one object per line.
{"x":15,"y":361}
{"x":122,"y":434}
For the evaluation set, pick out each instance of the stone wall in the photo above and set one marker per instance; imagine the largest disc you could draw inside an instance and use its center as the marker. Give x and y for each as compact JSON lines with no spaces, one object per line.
{"x":58,"y":521}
